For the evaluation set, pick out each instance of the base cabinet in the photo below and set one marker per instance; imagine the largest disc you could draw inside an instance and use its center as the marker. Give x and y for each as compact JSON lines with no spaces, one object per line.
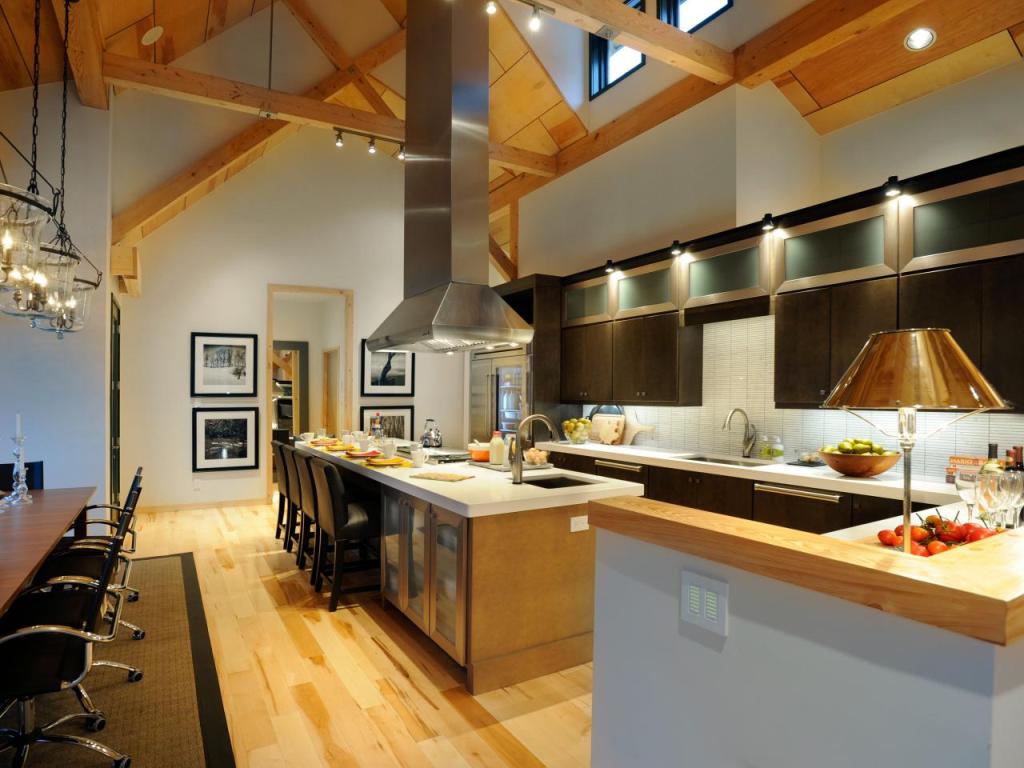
{"x":804,"y":510}
{"x":698,"y":490}
{"x":447,"y":624}
{"x":572,"y":462}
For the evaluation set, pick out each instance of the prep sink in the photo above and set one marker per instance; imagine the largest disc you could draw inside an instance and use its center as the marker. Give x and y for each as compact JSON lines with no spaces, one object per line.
{"x":730,"y":462}
{"x":559,"y":481}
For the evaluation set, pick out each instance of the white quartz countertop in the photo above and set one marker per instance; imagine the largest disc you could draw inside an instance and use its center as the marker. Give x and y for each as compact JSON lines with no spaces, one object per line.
{"x":487,"y":492}
{"x":888,"y":485}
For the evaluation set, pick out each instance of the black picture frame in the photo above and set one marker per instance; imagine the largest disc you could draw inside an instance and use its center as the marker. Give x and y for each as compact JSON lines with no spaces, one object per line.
{"x":253,"y":415}
{"x":366,"y":412}
{"x":199,"y":389}
{"x":366,"y":389}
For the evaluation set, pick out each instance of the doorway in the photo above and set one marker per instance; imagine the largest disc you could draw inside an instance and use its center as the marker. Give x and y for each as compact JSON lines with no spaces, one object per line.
{"x":310,"y":348}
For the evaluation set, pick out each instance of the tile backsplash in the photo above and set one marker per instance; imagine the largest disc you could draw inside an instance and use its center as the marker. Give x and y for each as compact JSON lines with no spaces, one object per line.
{"x":739,"y":372}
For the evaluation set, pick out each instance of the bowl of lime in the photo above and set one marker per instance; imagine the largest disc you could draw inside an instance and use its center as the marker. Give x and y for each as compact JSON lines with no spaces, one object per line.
{"x":859,"y":458}
{"x":577,"y":431}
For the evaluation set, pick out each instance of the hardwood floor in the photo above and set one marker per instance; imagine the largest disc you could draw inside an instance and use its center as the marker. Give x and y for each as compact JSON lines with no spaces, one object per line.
{"x":359,"y":687}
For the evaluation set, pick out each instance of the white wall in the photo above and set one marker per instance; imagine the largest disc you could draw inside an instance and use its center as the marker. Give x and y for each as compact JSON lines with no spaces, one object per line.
{"x":305,"y":214}
{"x":60,"y":386}
{"x":803,"y":680}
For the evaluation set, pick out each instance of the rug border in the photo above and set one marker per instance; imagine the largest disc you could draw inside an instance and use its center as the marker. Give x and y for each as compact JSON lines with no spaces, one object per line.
{"x":213,"y":722}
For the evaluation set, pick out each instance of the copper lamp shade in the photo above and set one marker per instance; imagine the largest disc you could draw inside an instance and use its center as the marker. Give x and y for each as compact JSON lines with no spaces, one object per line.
{"x":921,"y":368}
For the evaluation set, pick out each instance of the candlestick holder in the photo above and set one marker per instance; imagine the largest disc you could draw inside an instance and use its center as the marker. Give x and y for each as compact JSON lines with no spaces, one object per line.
{"x":20,"y":494}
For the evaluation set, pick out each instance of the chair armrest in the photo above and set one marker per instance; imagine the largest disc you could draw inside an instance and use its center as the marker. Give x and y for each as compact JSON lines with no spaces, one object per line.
{"x":80,"y":581}
{"x":102,"y":506}
{"x":53,"y":629}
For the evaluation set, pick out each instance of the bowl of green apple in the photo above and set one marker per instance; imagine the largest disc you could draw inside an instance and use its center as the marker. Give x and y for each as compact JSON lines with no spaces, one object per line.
{"x":855,"y":457}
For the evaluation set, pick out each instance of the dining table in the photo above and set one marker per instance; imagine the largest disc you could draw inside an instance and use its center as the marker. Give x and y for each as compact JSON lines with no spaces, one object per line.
{"x":29,"y":532}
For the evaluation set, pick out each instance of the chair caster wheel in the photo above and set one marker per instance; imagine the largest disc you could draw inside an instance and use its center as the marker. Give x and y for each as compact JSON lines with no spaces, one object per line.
{"x":96,"y":724}
{"x":139,"y":634}
{"x":123,"y":762}
{"x":134,"y":676}
{"x":132,"y":597}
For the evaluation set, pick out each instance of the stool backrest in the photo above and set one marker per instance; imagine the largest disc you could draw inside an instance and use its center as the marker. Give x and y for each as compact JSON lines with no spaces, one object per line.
{"x":33,"y":476}
{"x":332,"y":506}
{"x":280,"y":472}
{"x":308,"y":491}
{"x":292,"y":490}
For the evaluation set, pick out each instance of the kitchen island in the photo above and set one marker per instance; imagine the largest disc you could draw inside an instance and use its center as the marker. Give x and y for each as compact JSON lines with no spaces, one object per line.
{"x":500,"y":576}
{"x":836,"y":652}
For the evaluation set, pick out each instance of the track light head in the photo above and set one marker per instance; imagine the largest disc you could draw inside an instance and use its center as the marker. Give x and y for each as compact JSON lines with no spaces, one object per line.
{"x":401,"y":151}
{"x":339,"y":138}
{"x":609,"y":267}
{"x":534,"y":23}
{"x":767,"y":223}
{"x":372,"y":149}
{"x":892,"y":187}
{"x":491,"y":7}
{"x":677,"y":248}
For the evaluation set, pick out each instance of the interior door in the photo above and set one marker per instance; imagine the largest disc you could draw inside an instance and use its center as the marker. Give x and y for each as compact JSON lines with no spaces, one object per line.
{"x":115,"y":402}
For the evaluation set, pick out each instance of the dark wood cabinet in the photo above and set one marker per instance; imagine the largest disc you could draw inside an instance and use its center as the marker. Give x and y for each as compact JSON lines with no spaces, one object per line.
{"x":657,"y":362}
{"x":659,"y":369}
{"x":628,"y":346}
{"x":572,"y":462}
{"x":804,"y":510}
{"x":858,"y":310}
{"x":587,"y":359}
{"x":946,"y":298}
{"x":802,"y":338}
{"x":712,"y":493}
{"x":622,"y":470}
{"x":868,"y":509}
{"x":1002,"y":354}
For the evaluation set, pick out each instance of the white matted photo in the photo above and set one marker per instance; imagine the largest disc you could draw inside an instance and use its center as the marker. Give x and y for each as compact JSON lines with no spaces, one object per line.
{"x":396,"y":420}
{"x":388,"y":373}
{"x":223,"y":365}
{"x":225,"y":439}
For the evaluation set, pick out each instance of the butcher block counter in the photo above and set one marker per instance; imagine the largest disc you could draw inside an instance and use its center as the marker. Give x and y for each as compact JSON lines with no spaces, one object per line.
{"x":829,"y":651}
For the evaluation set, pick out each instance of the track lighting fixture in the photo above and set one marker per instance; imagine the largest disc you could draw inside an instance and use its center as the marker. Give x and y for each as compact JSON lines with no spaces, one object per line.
{"x":892,"y":187}
{"x":491,"y":7}
{"x":767,"y":223}
{"x":339,"y":138}
{"x":677,"y":248}
{"x":534,"y":22}
{"x":609,"y":267}
{"x":401,"y":151}
{"x":372,"y":149}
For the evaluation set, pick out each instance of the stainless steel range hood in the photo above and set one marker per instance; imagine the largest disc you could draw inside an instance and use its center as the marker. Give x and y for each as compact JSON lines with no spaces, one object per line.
{"x":448,"y":305}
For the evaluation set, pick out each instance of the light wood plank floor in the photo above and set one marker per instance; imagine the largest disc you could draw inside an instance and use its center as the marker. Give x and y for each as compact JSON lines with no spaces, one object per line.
{"x":359,"y":687}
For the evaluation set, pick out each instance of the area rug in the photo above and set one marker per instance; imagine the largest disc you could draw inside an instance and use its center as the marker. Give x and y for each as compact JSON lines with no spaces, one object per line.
{"x":174,"y":716}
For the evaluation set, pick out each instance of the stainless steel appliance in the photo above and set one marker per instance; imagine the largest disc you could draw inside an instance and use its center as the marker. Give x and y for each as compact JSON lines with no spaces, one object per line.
{"x":499,"y":392}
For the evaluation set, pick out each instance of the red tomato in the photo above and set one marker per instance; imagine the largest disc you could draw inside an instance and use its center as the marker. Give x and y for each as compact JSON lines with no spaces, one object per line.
{"x":887,"y":537}
{"x":950,"y":532}
{"x":934,"y":520}
{"x":898,"y":530}
{"x":968,"y":528}
{"x":919,"y":534}
{"x":935,"y":547}
{"x":980,"y":533}
{"x":917,"y":549}
{"x":898,"y":542}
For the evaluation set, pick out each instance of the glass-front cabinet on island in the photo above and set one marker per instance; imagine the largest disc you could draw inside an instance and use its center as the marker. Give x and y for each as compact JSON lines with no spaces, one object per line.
{"x":423,"y":568}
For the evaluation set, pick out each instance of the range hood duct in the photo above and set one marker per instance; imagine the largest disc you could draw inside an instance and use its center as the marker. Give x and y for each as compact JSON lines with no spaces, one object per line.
{"x":448,"y":305}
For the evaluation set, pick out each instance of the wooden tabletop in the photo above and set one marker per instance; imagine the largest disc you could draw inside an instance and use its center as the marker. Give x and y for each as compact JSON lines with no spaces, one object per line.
{"x":29,"y":533}
{"x":975,"y":590}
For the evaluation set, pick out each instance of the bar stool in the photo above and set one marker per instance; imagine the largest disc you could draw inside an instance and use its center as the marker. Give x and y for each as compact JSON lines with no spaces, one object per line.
{"x":343,"y":525}
{"x":281,"y":478}
{"x":294,"y":496}
{"x":309,"y":513}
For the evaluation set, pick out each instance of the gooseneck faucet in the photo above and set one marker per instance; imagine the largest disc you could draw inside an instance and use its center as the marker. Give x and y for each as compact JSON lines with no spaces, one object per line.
{"x":749,"y":433}
{"x":516,"y":445}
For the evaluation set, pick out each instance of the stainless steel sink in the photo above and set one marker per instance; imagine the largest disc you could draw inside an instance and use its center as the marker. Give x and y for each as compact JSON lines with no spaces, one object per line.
{"x":558,"y":481}
{"x":729,"y":462}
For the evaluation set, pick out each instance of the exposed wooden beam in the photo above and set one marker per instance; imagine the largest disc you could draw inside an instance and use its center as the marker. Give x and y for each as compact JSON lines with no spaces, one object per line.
{"x":523,"y":160}
{"x":646,"y":33}
{"x":126,"y":268}
{"x":513,"y":229}
{"x":811,"y":31}
{"x":243,"y":97}
{"x":398,"y":10}
{"x":85,"y":51}
{"x":501,"y":261}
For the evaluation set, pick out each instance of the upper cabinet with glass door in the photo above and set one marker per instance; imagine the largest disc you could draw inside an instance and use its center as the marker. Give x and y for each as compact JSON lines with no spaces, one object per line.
{"x":587,"y":302}
{"x":858,"y":245}
{"x":646,"y":290}
{"x":728,"y":272}
{"x":971,"y":221}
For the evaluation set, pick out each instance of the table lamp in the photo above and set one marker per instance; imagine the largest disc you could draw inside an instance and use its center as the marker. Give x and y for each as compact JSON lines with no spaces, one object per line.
{"x":907,"y":371}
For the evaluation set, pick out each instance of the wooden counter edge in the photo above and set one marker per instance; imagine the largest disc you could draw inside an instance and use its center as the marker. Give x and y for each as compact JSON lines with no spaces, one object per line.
{"x":976,"y":591}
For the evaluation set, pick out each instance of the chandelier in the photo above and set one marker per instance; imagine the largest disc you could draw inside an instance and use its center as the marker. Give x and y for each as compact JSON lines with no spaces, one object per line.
{"x":41,"y":282}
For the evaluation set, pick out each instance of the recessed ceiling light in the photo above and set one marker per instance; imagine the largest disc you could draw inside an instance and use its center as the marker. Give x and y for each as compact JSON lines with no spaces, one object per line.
{"x":491,"y":7}
{"x":152,"y":35}
{"x":919,"y":39}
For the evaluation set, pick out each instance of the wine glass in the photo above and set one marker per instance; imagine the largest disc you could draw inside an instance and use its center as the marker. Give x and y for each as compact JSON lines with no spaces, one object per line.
{"x":966,"y":486}
{"x":1011,"y":493}
{"x":988,"y":499}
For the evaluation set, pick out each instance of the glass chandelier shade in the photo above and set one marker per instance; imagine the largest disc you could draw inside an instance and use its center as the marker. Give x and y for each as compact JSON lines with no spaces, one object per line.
{"x":23,"y":216}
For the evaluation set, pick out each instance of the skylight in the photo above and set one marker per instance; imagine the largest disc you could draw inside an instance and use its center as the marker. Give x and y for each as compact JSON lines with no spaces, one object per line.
{"x":694,"y":14}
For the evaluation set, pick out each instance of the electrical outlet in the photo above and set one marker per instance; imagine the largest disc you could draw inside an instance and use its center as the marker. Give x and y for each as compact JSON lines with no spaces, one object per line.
{"x":578,"y":524}
{"x":195,"y":484}
{"x":705,"y":602}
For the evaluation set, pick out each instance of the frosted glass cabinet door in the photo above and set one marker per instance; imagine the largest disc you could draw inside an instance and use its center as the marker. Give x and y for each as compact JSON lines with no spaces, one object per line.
{"x":391,"y":535}
{"x":647,"y":290}
{"x":448,"y":590}
{"x":417,"y":518}
{"x":586,"y":302}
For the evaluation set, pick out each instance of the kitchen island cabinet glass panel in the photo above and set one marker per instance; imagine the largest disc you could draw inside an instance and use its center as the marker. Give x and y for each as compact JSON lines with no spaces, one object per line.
{"x":416,"y":514}
{"x":391,"y":536}
{"x":447,"y":542}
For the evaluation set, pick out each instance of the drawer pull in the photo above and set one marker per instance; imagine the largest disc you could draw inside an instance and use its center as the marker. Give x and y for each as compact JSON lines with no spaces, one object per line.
{"x":831,"y":498}
{"x":618,"y":465}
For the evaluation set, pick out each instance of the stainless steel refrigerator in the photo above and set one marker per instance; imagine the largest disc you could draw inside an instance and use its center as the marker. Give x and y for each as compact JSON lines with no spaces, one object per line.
{"x":499,"y":392}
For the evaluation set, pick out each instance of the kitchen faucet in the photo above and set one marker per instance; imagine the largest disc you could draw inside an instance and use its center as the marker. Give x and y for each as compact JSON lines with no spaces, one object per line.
{"x":749,"y":433}
{"x":515,"y":447}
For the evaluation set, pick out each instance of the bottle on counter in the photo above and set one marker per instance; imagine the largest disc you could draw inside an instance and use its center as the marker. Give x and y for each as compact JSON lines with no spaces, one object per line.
{"x":992,"y":465}
{"x":1018,"y":458}
{"x":497,"y":450}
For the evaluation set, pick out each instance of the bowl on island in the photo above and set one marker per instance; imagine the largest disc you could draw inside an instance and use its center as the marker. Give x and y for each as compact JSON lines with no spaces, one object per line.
{"x":860,"y":465}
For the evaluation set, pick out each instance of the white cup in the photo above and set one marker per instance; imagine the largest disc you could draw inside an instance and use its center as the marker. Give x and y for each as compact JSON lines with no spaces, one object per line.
{"x":358,"y":435}
{"x":306,"y":437}
{"x":347,"y":439}
{"x":418,"y":456}
{"x":390,"y":448}
{"x":364,"y":443}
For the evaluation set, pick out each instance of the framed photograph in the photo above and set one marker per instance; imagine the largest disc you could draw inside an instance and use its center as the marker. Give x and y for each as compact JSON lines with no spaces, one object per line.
{"x":397,"y":420}
{"x":388,"y":374}
{"x":225,"y":439}
{"x":224,"y":365}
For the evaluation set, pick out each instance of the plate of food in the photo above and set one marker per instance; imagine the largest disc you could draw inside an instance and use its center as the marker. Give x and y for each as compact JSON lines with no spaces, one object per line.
{"x":362,"y":454}
{"x":394,"y":461}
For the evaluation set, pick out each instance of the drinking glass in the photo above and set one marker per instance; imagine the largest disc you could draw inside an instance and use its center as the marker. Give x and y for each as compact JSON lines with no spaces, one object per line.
{"x":987,"y":494}
{"x":1011,"y":493}
{"x":966,"y":486}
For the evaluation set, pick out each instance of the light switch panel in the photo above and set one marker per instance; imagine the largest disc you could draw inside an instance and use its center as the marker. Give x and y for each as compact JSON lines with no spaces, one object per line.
{"x":705,"y":602}
{"x":578,"y":524}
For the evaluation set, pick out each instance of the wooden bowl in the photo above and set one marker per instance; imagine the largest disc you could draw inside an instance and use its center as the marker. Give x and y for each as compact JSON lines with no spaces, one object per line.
{"x":859,"y":464}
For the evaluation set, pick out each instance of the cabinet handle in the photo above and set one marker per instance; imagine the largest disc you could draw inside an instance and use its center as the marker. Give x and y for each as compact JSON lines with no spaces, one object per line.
{"x":831,"y":498}
{"x":618,"y":465}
